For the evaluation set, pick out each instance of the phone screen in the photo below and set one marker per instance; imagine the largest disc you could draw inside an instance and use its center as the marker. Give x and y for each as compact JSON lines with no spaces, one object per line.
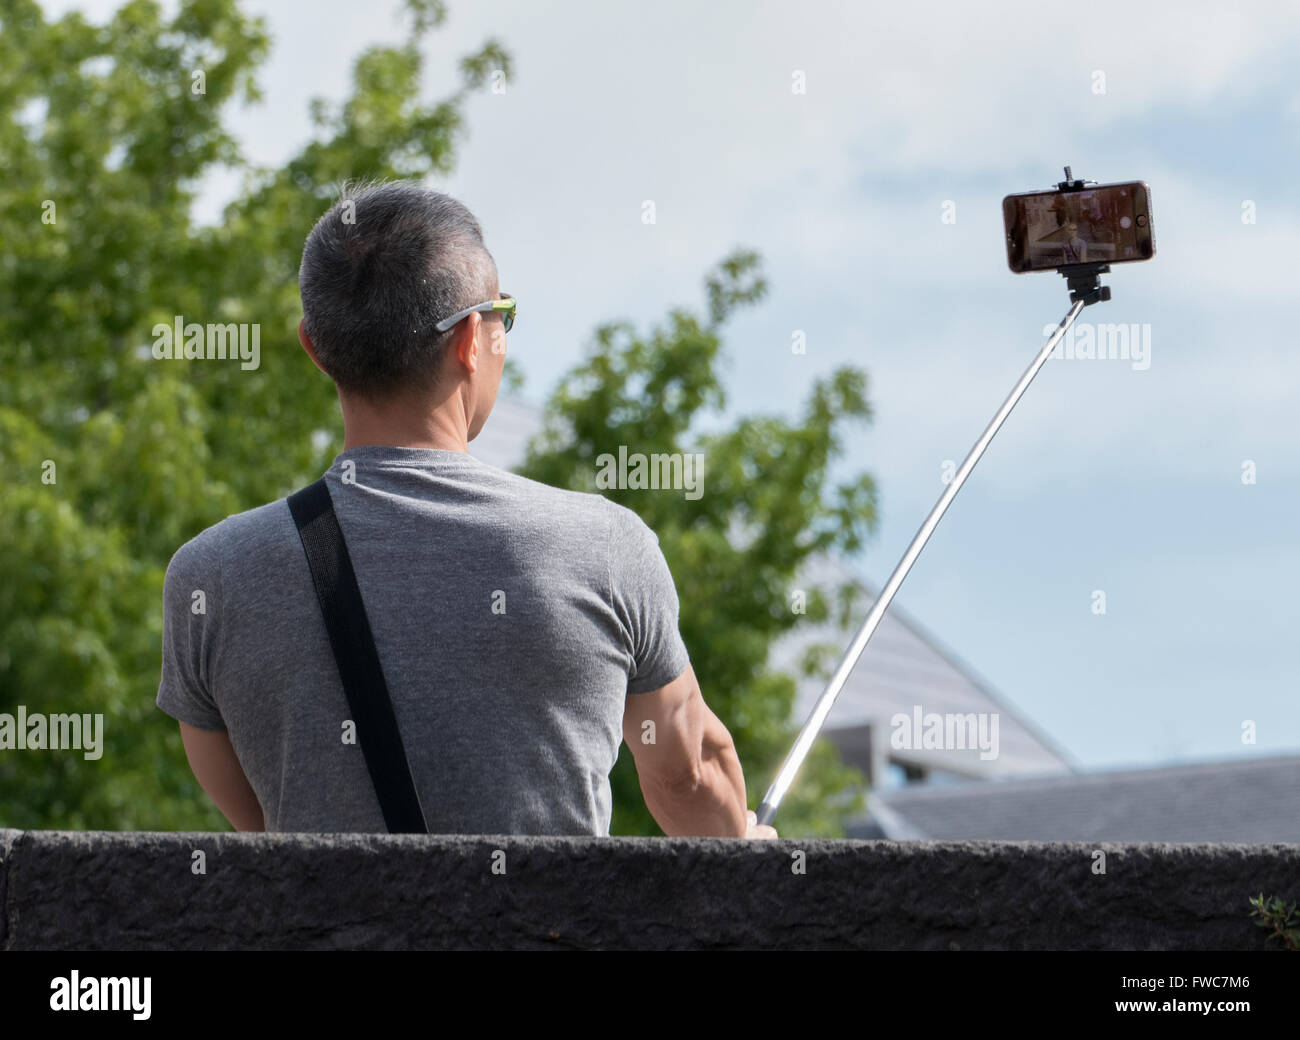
{"x":1106,"y":224}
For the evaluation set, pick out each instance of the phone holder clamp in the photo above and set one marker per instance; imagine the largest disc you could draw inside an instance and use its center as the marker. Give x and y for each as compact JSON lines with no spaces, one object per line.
{"x":1083,"y":283}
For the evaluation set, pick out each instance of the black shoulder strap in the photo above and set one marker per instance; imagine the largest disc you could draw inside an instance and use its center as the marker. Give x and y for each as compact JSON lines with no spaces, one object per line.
{"x":357,"y":658}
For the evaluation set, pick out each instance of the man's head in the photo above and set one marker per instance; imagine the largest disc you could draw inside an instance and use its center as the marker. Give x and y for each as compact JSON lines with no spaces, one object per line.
{"x":379,"y":270}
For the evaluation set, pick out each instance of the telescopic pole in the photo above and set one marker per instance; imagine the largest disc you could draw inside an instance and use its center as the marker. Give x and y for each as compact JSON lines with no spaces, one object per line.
{"x":1084,"y":289}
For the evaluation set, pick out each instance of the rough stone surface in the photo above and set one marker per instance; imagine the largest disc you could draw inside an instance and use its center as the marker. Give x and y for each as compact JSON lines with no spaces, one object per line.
{"x":111,"y":891}
{"x":8,"y":839}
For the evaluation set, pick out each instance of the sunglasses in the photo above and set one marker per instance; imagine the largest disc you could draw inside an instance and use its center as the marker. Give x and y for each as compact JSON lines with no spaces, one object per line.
{"x":506,"y":306}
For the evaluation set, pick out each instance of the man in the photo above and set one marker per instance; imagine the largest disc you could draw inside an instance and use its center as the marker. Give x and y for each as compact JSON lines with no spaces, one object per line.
{"x":1076,"y":249}
{"x":523,"y":630}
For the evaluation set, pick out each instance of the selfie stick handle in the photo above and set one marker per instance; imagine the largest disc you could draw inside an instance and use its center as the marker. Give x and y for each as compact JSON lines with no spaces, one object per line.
{"x":771,"y":800}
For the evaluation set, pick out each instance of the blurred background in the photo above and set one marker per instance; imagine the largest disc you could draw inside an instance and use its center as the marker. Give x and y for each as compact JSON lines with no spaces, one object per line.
{"x":764,"y":231}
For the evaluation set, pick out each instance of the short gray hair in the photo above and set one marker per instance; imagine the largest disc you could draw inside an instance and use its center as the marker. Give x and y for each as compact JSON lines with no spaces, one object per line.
{"x":386,"y":263}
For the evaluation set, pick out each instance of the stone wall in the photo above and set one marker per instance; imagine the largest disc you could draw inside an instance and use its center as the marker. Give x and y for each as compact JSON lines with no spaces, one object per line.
{"x":110,"y":890}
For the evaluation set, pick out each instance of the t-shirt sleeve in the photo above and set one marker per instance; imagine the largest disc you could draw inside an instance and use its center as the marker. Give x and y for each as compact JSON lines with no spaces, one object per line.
{"x":191,"y":600}
{"x":644,"y":599}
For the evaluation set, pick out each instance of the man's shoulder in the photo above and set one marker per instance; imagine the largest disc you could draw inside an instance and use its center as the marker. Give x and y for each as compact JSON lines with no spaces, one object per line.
{"x":573,"y":505}
{"x":602,"y":520}
{"x":255,"y":528}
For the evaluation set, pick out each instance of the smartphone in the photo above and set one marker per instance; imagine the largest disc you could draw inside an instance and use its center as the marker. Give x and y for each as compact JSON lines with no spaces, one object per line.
{"x":1101,"y":224}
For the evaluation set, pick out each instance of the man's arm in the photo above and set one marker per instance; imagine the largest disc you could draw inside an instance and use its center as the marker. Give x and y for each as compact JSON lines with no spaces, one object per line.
{"x":184,"y":693}
{"x":687,"y":764}
{"x":212,"y":758}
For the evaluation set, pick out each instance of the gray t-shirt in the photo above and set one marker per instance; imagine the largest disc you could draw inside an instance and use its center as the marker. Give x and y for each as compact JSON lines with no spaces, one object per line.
{"x":511,"y":620}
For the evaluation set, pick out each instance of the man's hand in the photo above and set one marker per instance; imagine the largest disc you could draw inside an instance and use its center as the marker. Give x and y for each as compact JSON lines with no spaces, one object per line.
{"x":756,"y":830}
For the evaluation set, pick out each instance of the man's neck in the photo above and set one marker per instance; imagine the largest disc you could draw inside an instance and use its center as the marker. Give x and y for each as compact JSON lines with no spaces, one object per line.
{"x":406,"y":423}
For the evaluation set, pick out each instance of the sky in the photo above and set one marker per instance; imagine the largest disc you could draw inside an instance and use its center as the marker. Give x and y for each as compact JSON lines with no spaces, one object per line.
{"x":1110,"y":476}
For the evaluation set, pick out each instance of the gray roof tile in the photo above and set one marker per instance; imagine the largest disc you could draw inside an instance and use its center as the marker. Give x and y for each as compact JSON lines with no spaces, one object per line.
{"x":1238,"y":800}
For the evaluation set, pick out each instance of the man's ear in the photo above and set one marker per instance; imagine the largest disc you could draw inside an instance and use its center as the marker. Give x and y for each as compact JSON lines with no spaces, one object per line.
{"x":308,"y":345}
{"x":465,"y":344}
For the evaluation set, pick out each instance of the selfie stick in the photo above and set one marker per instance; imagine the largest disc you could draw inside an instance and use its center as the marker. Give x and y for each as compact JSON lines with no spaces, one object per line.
{"x":1085,"y":289}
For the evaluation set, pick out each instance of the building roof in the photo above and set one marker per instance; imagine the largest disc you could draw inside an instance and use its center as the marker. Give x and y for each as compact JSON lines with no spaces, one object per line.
{"x":1245,"y":799}
{"x":903,"y":669}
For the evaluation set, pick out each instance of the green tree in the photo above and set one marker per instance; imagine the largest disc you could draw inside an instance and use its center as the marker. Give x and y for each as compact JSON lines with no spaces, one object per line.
{"x":738,"y":549}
